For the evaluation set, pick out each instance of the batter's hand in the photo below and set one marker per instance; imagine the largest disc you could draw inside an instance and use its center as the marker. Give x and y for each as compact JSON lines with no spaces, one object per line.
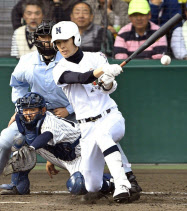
{"x":112,"y":69}
{"x":106,"y":80}
{"x":50,"y":168}
{"x":61,"y":112}
{"x":12,"y":119}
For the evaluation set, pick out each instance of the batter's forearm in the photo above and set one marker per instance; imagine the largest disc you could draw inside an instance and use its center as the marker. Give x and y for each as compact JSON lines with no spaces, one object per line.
{"x":98,"y":72}
{"x":69,"y":77}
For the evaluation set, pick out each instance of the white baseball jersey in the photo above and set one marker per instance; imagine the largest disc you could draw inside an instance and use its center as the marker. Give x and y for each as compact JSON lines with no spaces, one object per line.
{"x":63,"y":131}
{"x":97,"y":137}
{"x":94,"y":100}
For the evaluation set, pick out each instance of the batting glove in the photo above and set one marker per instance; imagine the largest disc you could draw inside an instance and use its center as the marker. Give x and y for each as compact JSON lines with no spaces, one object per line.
{"x":106,"y":80}
{"x":112,"y":69}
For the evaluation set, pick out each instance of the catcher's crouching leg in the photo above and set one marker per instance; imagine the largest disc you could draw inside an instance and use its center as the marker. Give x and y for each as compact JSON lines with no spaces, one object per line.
{"x":108,"y":184}
{"x":19,"y":185}
{"x":76,"y":186}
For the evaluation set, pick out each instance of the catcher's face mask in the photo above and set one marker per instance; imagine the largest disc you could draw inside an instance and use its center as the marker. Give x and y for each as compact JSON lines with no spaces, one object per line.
{"x":31,"y":108}
{"x":30,"y":113}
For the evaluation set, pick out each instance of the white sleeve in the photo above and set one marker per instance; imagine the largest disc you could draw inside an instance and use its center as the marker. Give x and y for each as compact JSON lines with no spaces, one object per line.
{"x":101,"y":58}
{"x":177,"y":44}
{"x":51,"y":124}
{"x":114,"y":87}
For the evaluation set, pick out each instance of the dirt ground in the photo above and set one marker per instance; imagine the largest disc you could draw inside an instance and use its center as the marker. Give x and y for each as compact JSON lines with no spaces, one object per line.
{"x":162,"y":190}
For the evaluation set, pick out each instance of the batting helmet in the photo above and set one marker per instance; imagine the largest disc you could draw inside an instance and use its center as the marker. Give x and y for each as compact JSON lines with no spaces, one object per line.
{"x":44,"y":47}
{"x":65,"y":30}
{"x":30,"y":100}
{"x":76,"y":184}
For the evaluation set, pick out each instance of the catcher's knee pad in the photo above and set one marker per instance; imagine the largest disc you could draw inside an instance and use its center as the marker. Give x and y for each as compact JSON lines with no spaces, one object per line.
{"x":76,"y":184}
{"x":21,"y":181}
{"x":18,"y":142}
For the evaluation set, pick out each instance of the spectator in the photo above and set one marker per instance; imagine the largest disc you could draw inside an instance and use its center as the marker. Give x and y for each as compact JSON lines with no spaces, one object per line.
{"x":179,"y":40}
{"x":92,"y":35}
{"x":62,"y":9}
{"x":163,"y":10}
{"x":58,"y":10}
{"x":134,"y":34}
{"x":17,"y":12}
{"x":33,"y":14}
{"x":183,"y":7}
{"x":17,"y":15}
{"x":117,"y":14}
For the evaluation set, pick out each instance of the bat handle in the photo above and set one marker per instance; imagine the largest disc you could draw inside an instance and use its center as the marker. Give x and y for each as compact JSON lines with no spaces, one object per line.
{"x":123,"y":63}
{"x":126,"y":61}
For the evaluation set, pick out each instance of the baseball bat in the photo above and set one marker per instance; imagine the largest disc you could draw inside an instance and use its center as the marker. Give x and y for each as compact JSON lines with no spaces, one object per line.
{"x":154,"y":37}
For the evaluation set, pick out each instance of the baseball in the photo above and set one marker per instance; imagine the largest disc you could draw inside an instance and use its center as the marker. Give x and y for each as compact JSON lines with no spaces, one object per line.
{"x":165,"y":60}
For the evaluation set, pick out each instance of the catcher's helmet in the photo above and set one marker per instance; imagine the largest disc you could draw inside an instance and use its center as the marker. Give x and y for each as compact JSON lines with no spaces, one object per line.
{"x":30,"y":100}
{"x":44,"y":47}
{"x":65,"y":30}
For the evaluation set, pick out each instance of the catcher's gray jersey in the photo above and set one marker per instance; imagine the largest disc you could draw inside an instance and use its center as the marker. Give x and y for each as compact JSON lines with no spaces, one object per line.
{"x":63,"y":131}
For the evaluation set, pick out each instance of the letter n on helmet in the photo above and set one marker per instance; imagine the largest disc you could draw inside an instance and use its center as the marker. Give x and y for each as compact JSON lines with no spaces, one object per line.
{"x":58,"y":30}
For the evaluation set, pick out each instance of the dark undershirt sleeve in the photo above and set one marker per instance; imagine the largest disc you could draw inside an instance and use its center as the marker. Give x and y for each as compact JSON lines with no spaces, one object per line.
{"x":69,"y":77}
{"x":41,"y":140}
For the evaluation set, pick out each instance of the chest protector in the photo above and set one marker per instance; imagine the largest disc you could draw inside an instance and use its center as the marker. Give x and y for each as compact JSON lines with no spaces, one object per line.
{"x":30,"y":134}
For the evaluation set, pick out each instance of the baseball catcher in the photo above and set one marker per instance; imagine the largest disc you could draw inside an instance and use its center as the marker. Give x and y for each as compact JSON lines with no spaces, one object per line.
{"x":34,"y":72}
{"x":56,"y":140}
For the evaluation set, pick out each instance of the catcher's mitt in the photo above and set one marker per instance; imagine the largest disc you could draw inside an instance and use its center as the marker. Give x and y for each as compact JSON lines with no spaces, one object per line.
{"x":22,"y":160}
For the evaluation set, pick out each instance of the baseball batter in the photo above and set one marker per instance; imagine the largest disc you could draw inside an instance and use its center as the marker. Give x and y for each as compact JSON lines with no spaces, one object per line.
{"x":101,"y":123}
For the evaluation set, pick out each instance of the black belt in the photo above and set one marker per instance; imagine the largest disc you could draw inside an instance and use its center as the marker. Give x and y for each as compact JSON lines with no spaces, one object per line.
{"x":93,"y":119}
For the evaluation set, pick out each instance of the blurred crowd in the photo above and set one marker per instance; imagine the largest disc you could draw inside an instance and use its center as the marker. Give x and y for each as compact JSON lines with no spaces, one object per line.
{"x":115,"y":27}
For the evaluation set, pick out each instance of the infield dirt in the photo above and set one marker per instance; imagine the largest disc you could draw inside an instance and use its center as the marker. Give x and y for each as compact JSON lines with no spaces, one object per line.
{"x":162,"y":190}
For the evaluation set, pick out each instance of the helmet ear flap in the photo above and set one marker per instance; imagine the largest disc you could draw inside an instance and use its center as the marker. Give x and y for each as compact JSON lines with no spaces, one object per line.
{"x":55,"y":47}
{"x":77,"y":40}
